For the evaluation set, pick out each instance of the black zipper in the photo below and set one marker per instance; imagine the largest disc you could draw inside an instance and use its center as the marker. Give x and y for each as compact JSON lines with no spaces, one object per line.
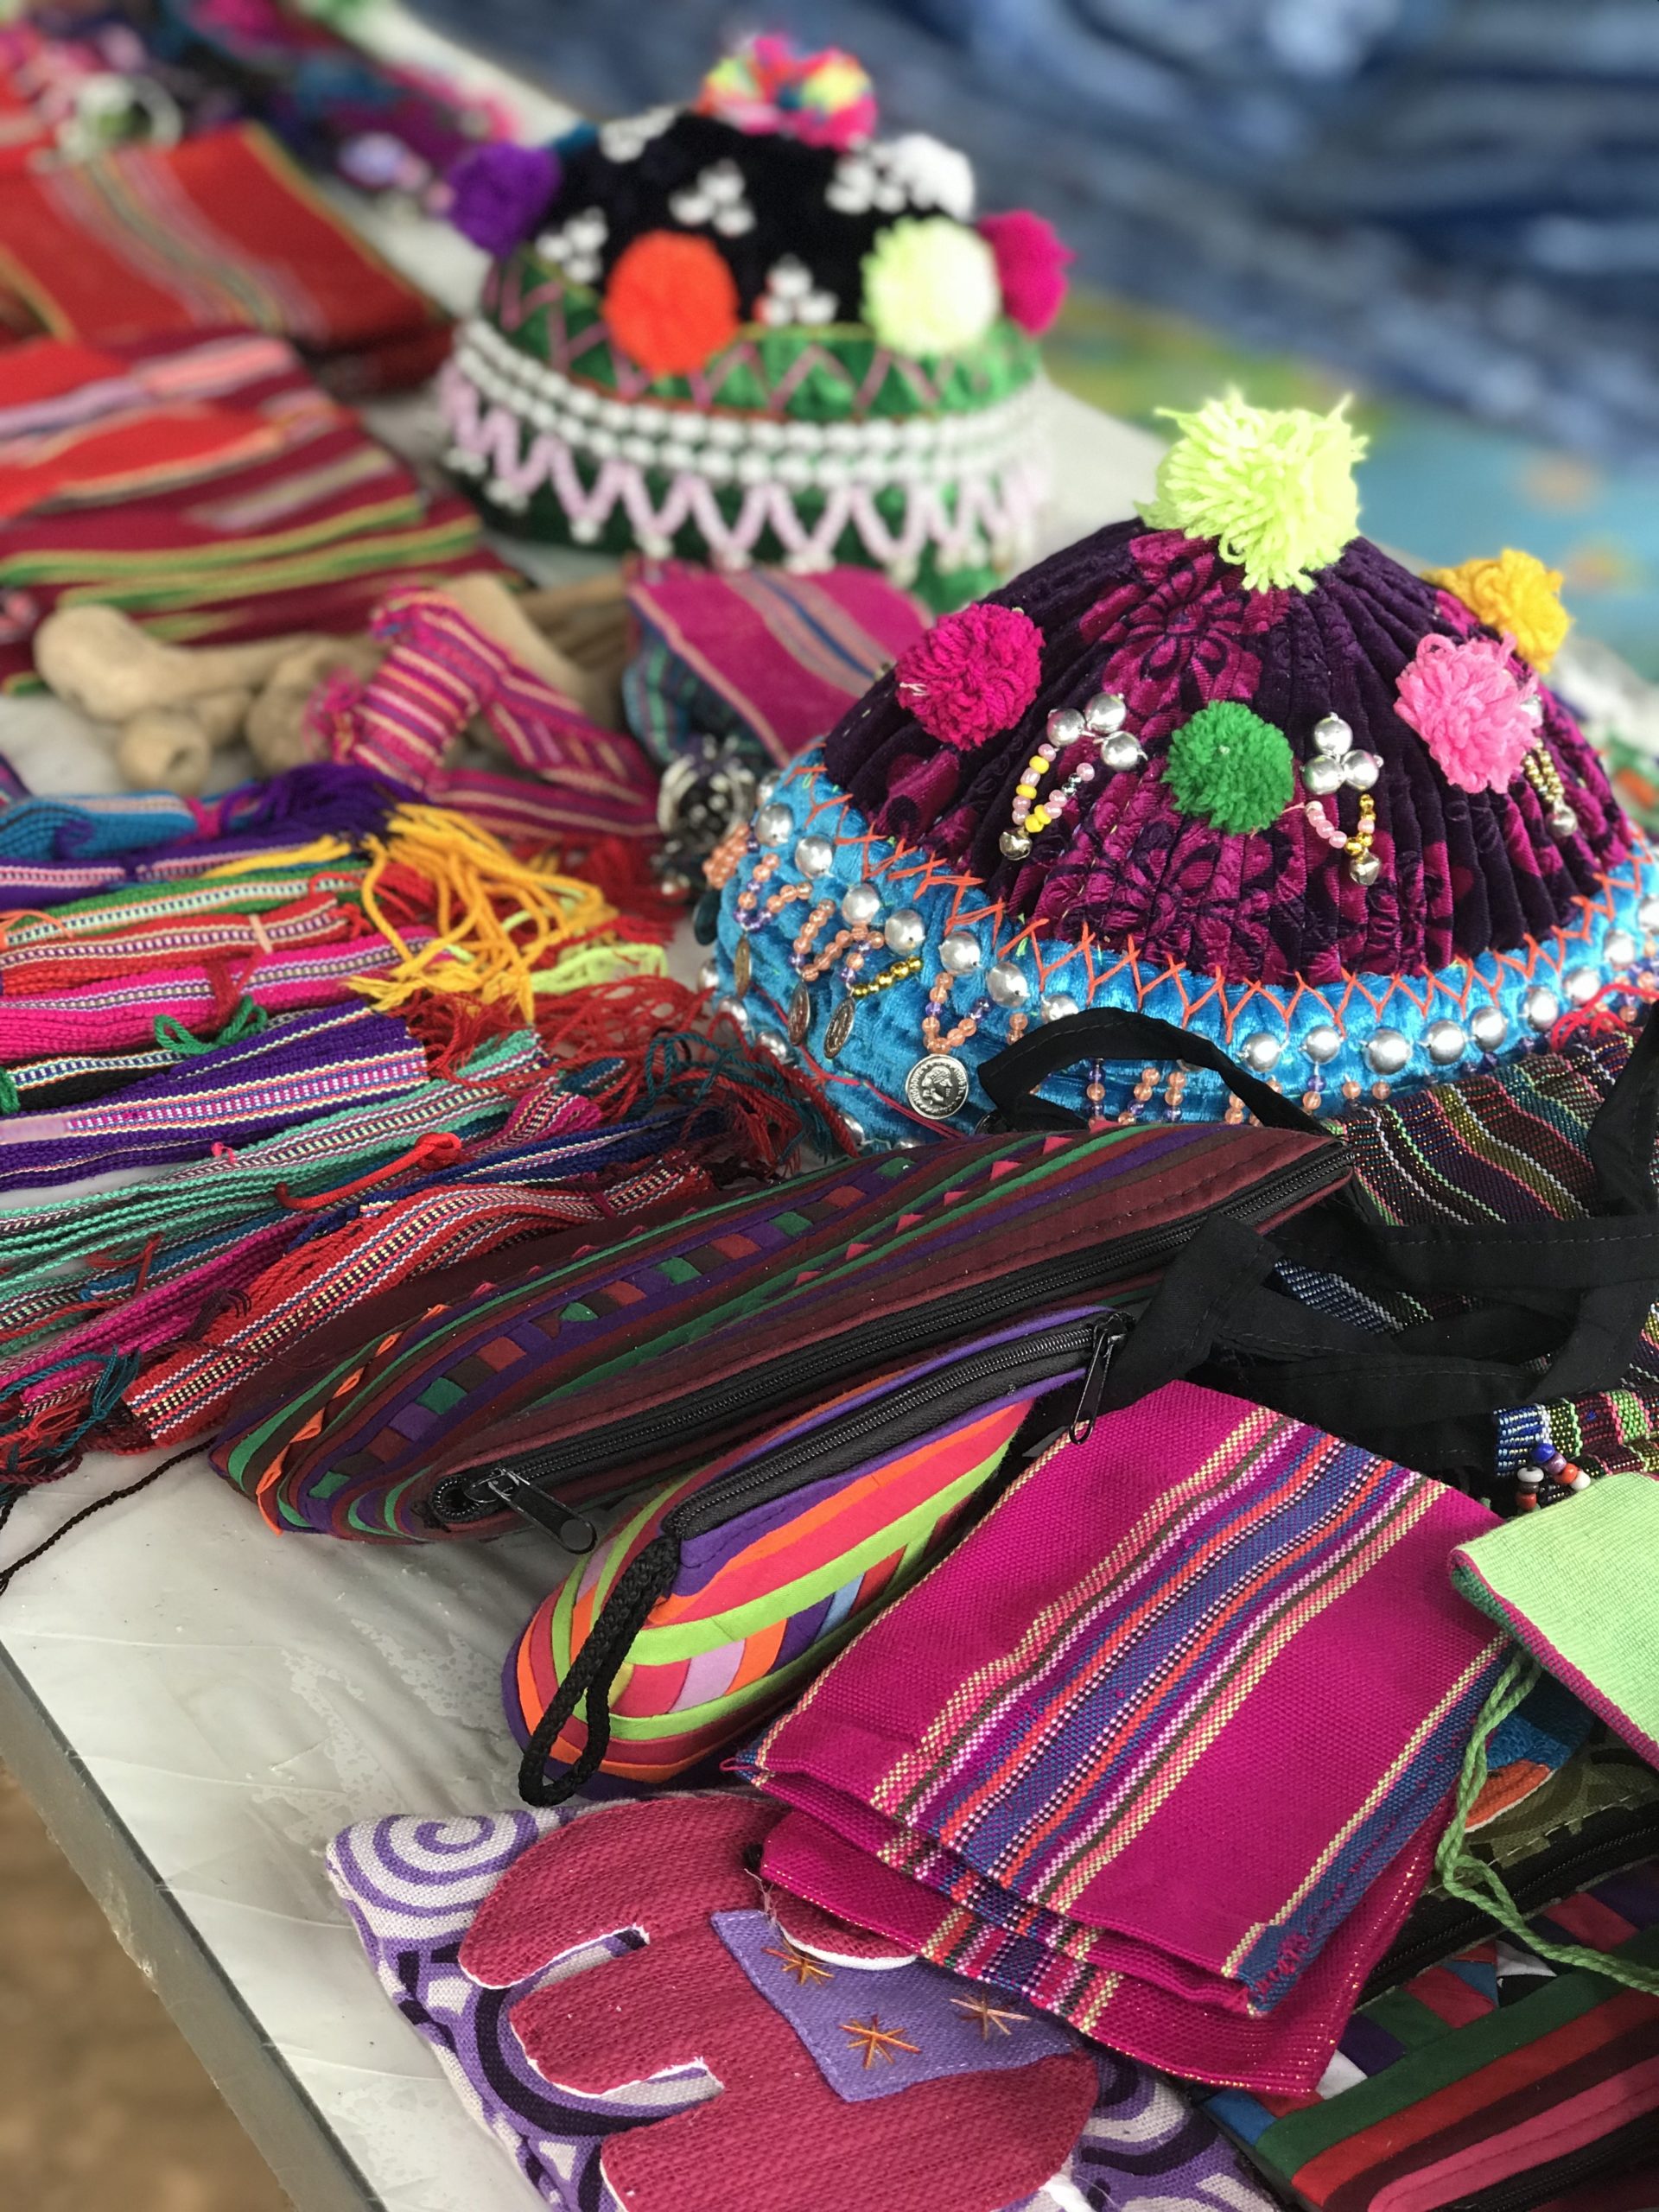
{"x":1554,"y":1873}
{"x":1613,"y":2156}
{"x":904,"y":1416}
{"x":461,"y":1498}
{"x":898,"y":1418}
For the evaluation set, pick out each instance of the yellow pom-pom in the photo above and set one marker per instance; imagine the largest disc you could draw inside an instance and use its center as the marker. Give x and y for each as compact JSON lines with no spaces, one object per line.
{"x":931,"y":286}
{"x":1516,"y":594}
{"x":1274,"y":487}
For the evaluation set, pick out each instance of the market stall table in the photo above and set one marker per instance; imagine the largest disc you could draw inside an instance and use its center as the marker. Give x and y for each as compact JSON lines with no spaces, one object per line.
{"x":197,"y":1706}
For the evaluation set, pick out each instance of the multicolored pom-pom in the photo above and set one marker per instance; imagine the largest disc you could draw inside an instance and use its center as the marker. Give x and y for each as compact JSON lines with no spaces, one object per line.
{"x":1031,"y":265}
{"x":1465,"y":703}
{"x":1230,"y":768}
{"x":1515,"y":593}
{"x":973,"y":673}
{"x":1274,"y":487}
{"x":497,"y":194}
{"x":770,"y":84}
{"x":930,"y":286}
{"x":671,"y":302}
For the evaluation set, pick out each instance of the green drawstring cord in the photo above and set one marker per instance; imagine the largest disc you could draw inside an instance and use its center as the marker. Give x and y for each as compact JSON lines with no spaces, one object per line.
{"x":1471,"y":1881}
{"x":250,"y":1019}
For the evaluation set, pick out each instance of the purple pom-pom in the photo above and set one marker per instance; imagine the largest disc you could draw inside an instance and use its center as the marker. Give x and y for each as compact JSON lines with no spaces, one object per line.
{"x":501,"y":193}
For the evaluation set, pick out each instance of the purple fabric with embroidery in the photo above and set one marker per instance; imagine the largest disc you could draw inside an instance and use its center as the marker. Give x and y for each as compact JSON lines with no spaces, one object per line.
{"x":412,"y":1888}
{"x":1462,"y":872}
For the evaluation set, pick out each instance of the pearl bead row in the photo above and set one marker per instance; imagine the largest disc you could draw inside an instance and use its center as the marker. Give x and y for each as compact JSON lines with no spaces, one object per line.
{"x":743,"y":449}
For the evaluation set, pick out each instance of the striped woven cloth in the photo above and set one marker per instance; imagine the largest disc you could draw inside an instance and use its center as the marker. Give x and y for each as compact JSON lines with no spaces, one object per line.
{"x":116,"y":1016}
{"x":770,"y":658}
{"x":440,"y":672}
{"x":729,"y":1298}
{"x":296,"y":1070}
{"x":250,"y":505}
{"x":221,"y":232}
{"x":1128,"y":1752}
{"x":186,"y":1393}
{"x":201,"y":1314}
{"x":1486,"y":2069}
{"x":48,"y":1246}
{"x":1507,"y":1145}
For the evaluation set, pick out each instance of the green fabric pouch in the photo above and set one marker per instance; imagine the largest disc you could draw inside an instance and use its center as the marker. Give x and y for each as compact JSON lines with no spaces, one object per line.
{"x":1575,"y":1588}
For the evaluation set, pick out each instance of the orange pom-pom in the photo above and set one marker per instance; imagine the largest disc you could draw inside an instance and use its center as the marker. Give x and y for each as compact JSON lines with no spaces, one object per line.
{"x":671,"y":302}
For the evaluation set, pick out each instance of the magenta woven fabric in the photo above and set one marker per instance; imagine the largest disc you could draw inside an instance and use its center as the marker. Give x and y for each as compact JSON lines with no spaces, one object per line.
{"x":441,"y":672}
{"x":1164,"y":1745}
{"x":786,"y":656}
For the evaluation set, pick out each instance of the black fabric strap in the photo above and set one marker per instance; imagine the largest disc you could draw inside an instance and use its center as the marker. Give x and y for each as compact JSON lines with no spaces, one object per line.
{"x":1557,"y":1308}
{"x":592,"y":1672}
{"x":1010,"y":1079}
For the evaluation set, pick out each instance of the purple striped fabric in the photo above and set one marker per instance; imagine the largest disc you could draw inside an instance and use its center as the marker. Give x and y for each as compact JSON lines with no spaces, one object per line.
{"x":308,"y":1065}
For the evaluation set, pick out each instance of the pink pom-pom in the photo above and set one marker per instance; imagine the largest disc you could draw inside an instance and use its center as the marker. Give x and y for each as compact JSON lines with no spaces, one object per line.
{"x":1466,"y":703}
{"x":972,"y":674}
{"x":1031,"y":265}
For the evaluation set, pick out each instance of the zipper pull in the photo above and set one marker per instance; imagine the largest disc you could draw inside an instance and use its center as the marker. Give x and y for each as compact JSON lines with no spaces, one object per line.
{"x":562,"y":1522}
{"x":1108,"y":1333}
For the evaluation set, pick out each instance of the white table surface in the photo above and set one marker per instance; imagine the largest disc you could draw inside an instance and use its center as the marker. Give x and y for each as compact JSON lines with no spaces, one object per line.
{"x":198,"y":1706}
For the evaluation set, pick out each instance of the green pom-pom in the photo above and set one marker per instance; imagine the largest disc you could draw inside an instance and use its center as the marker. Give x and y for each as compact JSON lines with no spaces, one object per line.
{"x":1230,"y":766}
{"x":1274,"y":487}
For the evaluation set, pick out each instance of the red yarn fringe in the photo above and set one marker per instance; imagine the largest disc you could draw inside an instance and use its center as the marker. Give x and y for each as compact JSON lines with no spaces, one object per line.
{"x":621,"y":868}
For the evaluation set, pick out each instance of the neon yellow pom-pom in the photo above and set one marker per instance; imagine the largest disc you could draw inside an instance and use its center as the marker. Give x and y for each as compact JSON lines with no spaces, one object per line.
{"x":1516,"y":594}
{"x":1274,"y":488}
{"x":931,"y":286}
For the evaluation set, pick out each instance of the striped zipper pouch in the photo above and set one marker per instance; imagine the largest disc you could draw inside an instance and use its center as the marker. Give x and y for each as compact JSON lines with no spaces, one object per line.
{"x":1492,"y":2082}
{"x":759,"y":1583}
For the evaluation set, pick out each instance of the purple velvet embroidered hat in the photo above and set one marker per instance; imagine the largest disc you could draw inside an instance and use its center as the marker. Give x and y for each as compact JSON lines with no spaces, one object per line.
{"x":1228,"y":764}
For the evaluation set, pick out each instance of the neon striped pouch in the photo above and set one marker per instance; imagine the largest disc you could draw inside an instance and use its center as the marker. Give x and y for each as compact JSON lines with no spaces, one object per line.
{"x":759,"y":1584}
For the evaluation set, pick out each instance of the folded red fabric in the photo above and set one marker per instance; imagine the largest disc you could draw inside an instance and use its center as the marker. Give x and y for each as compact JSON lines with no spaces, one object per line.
{"x":221,"y":232}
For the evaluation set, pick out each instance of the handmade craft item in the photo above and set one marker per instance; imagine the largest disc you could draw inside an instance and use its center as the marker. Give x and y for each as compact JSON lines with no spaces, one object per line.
{"x":221,"y":232}
{"x":1508,"y":1145}
{"x":761,"y":2099}
{"x":158,"y":1365}
{"x":1125,"y":1752}
{"x":757,"y":1570}
{"x":1572,"y":1589}
{"x":202,"y":482}
{"x":755,"y":658}
{"x":735,"y":672}
{"x":750,"y":329}
{"x":445,"y":670}
{"x":1492,"y":2079}
{"x":1229,"y":764}
{"x":186,"y":1393}
{"x":640,"y":1363}
{"x":175,"y":705}
{"x":293,"y":1072}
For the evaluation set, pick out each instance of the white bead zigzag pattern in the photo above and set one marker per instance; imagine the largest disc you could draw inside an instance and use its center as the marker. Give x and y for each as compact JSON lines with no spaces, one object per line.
{"x":973,"y":484}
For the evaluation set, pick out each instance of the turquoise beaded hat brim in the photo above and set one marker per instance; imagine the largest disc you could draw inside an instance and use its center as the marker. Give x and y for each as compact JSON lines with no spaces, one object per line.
{"x":1323,"y":1044}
